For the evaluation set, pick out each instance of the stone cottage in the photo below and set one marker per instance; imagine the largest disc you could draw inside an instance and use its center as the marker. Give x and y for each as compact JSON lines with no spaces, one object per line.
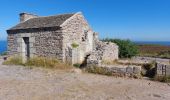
{"x":67,"y":37}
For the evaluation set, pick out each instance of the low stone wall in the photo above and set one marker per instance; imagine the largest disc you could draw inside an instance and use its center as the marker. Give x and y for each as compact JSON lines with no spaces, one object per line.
{"x":117,"y":70}
{"x":162,"y":69}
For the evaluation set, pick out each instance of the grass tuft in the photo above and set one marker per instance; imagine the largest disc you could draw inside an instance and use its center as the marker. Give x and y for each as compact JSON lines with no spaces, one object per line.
{"x":74,"y":45}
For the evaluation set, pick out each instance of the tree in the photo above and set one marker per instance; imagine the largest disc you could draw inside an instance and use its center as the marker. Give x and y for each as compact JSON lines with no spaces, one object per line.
{"x":127,"y":49}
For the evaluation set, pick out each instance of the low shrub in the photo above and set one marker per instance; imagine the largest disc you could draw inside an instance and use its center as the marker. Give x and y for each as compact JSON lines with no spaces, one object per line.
{"x":165,"y":79}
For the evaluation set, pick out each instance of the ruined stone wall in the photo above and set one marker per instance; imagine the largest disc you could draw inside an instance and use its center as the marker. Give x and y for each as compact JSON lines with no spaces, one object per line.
{"x":103,"y":52}
{"x":77,"y":31}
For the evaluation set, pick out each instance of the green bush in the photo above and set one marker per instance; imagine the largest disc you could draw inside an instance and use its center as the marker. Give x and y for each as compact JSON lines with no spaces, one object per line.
{"x":127,"y":48}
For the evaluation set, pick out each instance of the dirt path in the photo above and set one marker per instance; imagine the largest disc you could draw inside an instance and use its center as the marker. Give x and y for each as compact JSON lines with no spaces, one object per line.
{"x":19,"y":83}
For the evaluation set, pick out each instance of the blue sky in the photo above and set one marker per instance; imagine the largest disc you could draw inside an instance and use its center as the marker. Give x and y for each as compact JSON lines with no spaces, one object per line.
{"x":138,"y":20}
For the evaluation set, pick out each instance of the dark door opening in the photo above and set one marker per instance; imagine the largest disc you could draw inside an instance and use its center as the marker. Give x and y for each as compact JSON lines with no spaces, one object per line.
{"x":27,"y":47}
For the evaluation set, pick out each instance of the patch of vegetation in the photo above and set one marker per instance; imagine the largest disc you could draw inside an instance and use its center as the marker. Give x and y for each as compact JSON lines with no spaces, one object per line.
{"x":13,"y":61}
{"x":165,"y":79}
{"x":4,"y":53}
{"x":77,"y":65}
{"x":98,"y":70}
{"x":109,"y":62}
{"x":74,"y":45}
{"x":38,"y":62}
{"x":127,"y":49}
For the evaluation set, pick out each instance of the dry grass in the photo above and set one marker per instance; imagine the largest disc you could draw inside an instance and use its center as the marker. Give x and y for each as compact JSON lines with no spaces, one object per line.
{"x":38,"y":62}
{"x":14,"y":60}
{"x":165,"y":79}
{"x":107,"y":62}
{"x":98,"y":70}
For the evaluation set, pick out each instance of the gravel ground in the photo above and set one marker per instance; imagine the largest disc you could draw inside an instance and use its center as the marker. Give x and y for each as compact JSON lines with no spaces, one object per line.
{"x":21,"y":83}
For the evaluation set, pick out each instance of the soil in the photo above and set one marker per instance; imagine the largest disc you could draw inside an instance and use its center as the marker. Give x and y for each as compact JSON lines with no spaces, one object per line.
{"x":23,"y":83}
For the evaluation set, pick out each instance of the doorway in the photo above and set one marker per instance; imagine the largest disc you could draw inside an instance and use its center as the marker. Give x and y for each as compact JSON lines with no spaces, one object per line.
{"x":26,"y":48}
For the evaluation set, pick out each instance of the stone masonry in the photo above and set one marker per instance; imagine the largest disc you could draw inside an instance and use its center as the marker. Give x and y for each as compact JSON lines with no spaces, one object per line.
{"x":67,"y":37}
{"x":162,"y":69}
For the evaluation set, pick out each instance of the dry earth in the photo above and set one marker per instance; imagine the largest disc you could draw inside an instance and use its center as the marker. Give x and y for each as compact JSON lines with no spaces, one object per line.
{"x":20,"y":83}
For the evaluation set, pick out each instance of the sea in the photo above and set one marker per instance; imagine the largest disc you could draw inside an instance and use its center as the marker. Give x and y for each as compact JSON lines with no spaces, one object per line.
{"x":3,"y":44}
{"x":163,"y":43}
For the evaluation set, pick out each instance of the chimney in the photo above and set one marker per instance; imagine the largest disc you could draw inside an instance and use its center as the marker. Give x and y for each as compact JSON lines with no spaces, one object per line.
{"x":26,"y":16}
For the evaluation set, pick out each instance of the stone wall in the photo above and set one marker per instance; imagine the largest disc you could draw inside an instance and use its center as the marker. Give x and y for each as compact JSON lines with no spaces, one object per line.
{"x":162,"y":69}
{"x":77,"y":31}
{"x":49,"y":44}
{"x":12,"y":44}
{"x":41,"y":43}
{"x":117,"y":70}
{"x":103,"y":51}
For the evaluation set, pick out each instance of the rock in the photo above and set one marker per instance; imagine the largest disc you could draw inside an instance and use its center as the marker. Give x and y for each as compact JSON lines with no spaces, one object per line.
{"x":76,"y":70}
{"x":137,"y":69}
{"x":129,"y":69}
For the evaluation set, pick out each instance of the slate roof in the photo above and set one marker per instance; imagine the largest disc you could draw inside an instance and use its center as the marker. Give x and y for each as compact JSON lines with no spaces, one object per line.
{"x":42,"y":22}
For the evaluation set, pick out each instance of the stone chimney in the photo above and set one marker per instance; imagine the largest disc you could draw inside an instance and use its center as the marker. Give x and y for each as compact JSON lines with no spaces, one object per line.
{"x":26,"y":16}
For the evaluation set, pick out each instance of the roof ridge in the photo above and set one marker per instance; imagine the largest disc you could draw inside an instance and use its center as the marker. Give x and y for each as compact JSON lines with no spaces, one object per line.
{"x":54,"y":15}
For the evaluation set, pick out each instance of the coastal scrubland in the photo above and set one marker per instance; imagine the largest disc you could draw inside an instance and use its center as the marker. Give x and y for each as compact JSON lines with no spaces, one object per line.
{"x":154,"y":51}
